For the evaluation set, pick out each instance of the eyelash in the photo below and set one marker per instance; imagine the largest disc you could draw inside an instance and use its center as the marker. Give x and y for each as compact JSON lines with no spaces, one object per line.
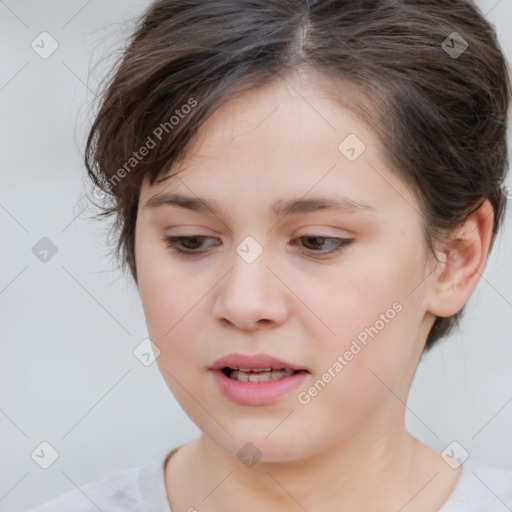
{"x":172,"y":241}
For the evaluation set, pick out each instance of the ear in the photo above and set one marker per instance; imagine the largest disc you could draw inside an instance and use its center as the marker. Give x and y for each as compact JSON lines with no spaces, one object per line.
{"x":461,"y":264}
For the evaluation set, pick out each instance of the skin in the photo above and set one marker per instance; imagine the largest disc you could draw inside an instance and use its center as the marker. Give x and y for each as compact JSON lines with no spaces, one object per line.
{"x":347,"y":449}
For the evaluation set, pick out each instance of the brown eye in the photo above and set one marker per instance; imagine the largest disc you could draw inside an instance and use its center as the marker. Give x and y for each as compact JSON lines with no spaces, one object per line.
{"x":186,"y":245}
{"x":314,"y":244}
{"x":193,"y":245}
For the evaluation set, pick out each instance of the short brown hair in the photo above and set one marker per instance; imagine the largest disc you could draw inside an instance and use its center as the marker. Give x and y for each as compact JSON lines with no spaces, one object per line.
{"x":438,"y":107}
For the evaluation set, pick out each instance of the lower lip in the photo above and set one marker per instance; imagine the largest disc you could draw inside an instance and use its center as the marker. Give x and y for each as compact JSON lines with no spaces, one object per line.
{"x":256,"y":393}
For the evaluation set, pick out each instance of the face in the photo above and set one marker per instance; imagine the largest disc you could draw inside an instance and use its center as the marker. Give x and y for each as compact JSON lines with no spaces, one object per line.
{"x":337,"y":292}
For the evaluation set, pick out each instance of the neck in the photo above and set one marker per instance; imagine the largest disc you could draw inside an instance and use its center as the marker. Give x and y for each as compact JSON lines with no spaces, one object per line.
{"x":369,"y":470}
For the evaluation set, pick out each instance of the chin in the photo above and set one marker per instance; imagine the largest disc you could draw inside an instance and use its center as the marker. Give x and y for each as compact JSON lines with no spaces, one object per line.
{"x":263,"y":443}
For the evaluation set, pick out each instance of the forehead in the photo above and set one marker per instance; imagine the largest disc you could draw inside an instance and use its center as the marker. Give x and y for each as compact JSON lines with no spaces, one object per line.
{"x":293,"y":108}
{"x":285,"y":139}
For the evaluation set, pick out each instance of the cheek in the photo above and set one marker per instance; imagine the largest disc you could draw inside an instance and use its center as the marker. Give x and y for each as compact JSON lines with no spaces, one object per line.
{"x":373,"y":319}
{"x":357,"y":299}
{"x":356,"y":373}
{"x":158,"y":285}
{"x":171,"y":303}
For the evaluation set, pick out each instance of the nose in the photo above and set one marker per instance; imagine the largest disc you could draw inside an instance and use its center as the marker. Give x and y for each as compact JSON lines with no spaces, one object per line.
{"x":250,"y":296}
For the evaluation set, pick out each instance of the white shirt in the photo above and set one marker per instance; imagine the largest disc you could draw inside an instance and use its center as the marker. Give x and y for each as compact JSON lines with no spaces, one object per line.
{"x":480,"y":488}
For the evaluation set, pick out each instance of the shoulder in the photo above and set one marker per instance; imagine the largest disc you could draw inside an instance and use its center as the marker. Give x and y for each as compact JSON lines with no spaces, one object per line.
{"x":127,"y":490}
{"x":481,"y":488}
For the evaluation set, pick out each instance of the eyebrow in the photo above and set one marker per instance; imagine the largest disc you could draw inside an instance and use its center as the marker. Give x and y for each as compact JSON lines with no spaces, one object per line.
{"x":281,"y":207}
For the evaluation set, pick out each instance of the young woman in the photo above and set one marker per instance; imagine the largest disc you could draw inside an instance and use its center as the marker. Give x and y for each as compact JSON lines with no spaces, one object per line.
{"x":306,"y":193}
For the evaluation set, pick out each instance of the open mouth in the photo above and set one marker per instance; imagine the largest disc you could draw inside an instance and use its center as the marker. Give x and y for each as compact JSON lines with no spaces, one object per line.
{"x":258,"y":375}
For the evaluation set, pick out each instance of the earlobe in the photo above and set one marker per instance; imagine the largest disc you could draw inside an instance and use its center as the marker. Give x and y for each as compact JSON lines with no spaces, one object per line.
{"x":461,"y":263}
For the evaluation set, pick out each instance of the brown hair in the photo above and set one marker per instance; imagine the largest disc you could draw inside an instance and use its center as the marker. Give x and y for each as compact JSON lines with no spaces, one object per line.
{"x":438,"y":107}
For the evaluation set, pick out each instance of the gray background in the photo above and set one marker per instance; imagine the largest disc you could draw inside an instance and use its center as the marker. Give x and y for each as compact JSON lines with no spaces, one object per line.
{"x":68,"y":327}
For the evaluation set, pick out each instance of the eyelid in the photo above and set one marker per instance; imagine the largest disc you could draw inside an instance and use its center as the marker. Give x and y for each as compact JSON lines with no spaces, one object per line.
{"x":341,"y":243}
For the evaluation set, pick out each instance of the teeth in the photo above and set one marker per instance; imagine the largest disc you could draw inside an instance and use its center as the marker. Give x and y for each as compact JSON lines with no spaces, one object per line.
{"x":253,"y":370}
{"x":260,"y":376}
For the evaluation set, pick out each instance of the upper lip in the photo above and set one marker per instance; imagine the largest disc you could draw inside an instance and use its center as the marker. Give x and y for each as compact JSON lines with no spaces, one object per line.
{"x":253,"y":362}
